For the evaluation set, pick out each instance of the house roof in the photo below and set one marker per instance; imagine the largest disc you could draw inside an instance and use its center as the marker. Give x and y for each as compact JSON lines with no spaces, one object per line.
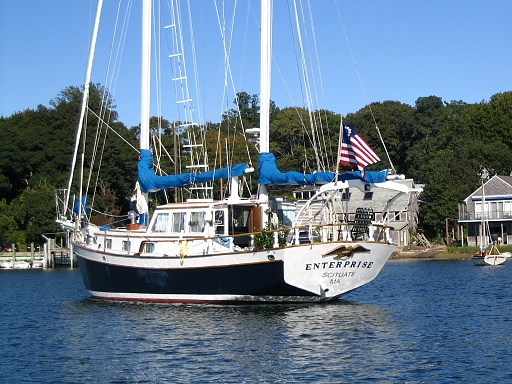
{"x":496,"y":188}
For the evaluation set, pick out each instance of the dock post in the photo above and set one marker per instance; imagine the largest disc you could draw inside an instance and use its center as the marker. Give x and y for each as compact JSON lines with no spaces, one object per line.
{"x":52,"y":253}
{"x":70,"y":250}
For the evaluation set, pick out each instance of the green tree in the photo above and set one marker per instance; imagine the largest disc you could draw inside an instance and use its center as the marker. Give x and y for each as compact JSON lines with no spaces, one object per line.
{"x":34,"y":212}
{"x":388,"y":117}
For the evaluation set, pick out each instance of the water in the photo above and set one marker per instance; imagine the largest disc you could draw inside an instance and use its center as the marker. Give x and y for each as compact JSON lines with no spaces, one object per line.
{"x":422,"y":321}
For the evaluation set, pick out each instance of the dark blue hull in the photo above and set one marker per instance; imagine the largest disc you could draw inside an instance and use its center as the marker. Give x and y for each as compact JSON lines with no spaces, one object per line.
{"x":253,"y":282}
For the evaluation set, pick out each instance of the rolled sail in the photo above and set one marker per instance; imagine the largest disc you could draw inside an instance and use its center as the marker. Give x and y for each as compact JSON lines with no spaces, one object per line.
{"x":150,"y":181}
{"x":268,"y":173}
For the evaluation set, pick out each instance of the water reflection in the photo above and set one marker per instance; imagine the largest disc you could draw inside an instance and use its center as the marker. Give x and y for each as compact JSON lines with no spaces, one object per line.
{"x":268,"y":342}
{"x":421,"y":321}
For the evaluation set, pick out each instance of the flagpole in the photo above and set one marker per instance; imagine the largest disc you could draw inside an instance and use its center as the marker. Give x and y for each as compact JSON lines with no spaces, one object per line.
{"x":339,"y":149}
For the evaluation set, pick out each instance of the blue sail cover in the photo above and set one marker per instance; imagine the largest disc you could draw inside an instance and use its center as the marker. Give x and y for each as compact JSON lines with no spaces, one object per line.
{"x":268,"y":173}
{"x":149,"y":181}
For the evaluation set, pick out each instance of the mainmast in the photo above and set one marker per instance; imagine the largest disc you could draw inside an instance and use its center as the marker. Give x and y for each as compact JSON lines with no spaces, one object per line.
{"x":265,"y":75}
{"x":145,"y":93}
{"x":146,"y":74}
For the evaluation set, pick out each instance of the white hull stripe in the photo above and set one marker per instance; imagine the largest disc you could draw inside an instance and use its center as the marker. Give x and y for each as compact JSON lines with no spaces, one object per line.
{"x":170,"y":298}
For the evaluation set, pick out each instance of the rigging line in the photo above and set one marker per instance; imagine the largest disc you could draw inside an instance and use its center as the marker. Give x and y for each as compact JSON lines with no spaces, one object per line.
{"x":157,"y":43}
{"x":246,"y":142}
{"x":307,"y":86}
{"x":229,"y":76}
{"x":102,"y":110}
{"x":195,"y":66}
{"x":181,"y":86}
{"x":105,"y":97}
{"x":328,"y":156}
{"x":231,"y":33}
{"x":312,"y":86}
{"x":112,"y":129}
{"x":201,"y":156}
{"x":362,"y":87}
{"x":301,"y":84}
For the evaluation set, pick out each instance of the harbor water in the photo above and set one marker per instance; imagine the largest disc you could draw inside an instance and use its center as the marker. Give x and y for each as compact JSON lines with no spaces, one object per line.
{"x":417,"y":322}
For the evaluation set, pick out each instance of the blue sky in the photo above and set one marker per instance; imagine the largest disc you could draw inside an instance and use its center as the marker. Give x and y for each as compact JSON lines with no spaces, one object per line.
{"x":397,"y":50}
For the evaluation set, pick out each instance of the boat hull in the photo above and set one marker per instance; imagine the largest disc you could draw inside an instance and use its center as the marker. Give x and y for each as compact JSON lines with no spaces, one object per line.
{"x":306,"y":273}
{"x":492,"y":260}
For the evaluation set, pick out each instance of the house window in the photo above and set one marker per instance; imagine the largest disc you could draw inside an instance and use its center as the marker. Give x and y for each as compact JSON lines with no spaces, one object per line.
{"x":506,"y":209}
{"x":126,"y":246}
{"x":368,"y":195}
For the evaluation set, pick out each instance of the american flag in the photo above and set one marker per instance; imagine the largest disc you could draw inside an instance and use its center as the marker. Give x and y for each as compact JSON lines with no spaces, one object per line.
{"x":355,"y":150}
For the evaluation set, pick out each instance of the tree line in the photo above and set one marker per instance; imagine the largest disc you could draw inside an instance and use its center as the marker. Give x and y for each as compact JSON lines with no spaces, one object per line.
{"x":443,"y":145}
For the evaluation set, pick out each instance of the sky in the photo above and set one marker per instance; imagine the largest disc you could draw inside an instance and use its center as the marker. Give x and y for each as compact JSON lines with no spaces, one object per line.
{"x":380,"y":50}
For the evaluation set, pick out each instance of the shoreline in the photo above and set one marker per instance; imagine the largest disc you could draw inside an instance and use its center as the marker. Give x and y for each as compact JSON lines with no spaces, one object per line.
{"x":423,"y":253}
{"x":438,"y":257}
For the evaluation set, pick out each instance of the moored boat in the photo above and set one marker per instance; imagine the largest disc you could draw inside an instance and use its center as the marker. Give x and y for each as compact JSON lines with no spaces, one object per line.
{"x":229,"y":249}
{"x":489,"y":253}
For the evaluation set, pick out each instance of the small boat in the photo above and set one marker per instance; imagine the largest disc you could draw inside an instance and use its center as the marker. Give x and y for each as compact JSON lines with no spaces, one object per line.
{"x":21,"y":264}
{"x":37,"y":264}
{"x":6,"y":264}
{"x":489,"y":253}
{"x":230,"y":250}
{"x":18,"y":264}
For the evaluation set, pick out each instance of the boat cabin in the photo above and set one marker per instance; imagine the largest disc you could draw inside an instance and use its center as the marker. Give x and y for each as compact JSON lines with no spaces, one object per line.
{"x":358,"y":205}
{"x":203,"y":218}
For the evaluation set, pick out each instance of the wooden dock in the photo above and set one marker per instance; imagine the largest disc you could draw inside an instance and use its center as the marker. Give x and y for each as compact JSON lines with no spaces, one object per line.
{"x":54,"y":257}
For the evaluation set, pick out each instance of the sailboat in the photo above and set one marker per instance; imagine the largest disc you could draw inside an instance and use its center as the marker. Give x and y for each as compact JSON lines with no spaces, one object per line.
{"x":489,"y":254}
{"x":229,"y":250}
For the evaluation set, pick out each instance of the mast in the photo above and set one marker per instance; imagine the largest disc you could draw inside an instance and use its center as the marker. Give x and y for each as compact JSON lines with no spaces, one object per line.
{"x":85,"y":98}
{"x":147,"y":6}
{"x":484,"y":175}
{"x":265,"y":75}
{"x":484,"y":225}
{"x":265,"y":62}
{"x":146,"y":75}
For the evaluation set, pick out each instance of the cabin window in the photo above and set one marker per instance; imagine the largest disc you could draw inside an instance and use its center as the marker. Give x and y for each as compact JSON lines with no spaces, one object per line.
{"x":178,"y":222}
{"x":197,"y":221}
{"x":368,"y":195}
{"x":149,"y":247}
{"x":220,"y":222}
{"x":108,"y":243}
{"x":126,"y":245}
{"x":286,"y":217}
{"x":161,"y":223}
{"x":240,"y":219}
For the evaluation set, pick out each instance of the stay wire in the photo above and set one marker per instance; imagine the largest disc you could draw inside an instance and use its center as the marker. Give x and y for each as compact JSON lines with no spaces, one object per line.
{"x":362,"y":87}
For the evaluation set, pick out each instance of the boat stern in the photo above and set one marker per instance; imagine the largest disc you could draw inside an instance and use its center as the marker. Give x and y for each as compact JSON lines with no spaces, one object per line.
{"x":329,"y":270}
